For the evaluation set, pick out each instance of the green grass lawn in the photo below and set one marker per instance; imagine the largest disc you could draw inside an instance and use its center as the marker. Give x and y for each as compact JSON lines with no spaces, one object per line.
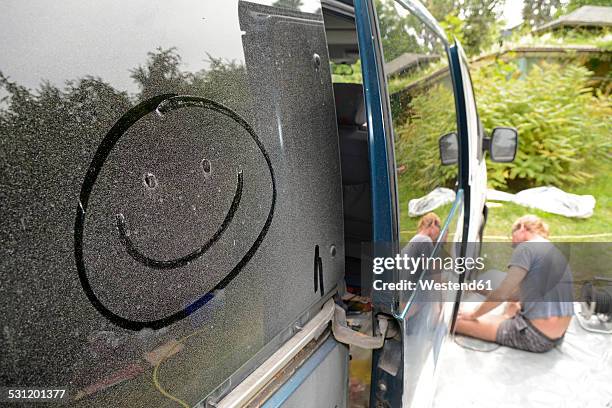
{"x":408,"y":225}
{"x":589,"y":253}
{"x":561,"y":228}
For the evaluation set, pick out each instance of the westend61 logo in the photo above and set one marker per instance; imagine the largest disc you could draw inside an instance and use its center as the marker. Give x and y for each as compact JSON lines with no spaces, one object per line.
{"x":412,"y":265}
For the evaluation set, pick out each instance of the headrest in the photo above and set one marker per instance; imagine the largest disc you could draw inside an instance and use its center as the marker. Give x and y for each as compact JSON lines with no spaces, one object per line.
{"x":350,"y":108}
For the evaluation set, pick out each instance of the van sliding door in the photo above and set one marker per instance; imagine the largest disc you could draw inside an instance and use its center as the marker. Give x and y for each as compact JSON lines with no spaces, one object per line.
{"x":405,"y":57}
{"x":167,"y":175}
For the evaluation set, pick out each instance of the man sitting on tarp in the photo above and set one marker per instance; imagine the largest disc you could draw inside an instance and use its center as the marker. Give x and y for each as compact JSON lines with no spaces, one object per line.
{"x":539,"y":275}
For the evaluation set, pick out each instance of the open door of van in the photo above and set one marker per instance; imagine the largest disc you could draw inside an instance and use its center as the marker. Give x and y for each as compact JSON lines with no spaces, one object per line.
{"x":415,"y":91}
{"x":171,"y":204}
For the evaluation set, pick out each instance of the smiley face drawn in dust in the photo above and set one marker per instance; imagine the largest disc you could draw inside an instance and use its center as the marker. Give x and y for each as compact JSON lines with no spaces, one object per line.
{"x":139,"y":254}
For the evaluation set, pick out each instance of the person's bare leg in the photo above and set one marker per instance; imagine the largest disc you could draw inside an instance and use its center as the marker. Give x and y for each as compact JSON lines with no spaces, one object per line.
{"x":485,"y":328}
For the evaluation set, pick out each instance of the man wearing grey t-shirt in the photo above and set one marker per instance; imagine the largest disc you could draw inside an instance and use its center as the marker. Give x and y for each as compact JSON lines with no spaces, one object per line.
{"x":539,"y":275}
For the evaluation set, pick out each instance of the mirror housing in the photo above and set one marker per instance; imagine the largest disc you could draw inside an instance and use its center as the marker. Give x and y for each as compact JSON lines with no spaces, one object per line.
{"x":502,"y":144}
{"x":449,"y":148}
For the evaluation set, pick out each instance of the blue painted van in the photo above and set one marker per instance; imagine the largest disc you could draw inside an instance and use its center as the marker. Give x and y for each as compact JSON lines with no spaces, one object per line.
{"x":192,"y":191}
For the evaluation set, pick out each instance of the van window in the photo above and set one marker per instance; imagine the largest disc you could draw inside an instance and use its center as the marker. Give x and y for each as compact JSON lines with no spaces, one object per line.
{"x":422,"y":107}
{"x":162,"y":196}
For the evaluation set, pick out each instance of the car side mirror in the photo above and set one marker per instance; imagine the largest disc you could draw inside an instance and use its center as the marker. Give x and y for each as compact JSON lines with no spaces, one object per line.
{"x":502,"y":144}
{"x":449,"y":148}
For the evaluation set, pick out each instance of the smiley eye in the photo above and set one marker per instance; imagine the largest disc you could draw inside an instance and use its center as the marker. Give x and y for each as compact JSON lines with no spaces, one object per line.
{"x":149,"y":180}
{"x":206,"y":167}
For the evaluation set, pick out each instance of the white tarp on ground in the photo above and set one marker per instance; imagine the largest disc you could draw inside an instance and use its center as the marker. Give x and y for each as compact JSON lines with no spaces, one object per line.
{"x":497,"y":195}
{"x":549,"y":199}
{"x":437,"y":198}
{"x":578,"y":373}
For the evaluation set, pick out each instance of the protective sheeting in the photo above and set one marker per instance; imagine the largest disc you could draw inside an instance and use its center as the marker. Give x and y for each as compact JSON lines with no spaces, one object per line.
{"x":436,"y":198}
{"x":576,"y":374}
{"x":549,"y":199}
{"x":497,"y":195}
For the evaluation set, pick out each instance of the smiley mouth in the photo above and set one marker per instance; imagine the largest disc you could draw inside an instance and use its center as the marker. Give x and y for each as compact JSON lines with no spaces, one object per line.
{"x":185,"y":260}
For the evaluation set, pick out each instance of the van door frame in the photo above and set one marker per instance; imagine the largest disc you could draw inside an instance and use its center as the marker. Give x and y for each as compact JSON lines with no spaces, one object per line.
{"x":382,"y":161}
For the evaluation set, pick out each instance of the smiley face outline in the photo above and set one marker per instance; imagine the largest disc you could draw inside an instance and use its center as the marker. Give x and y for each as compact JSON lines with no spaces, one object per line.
{"x":160,"y":104}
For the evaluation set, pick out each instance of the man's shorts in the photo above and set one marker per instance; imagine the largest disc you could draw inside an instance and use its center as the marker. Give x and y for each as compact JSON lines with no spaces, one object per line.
{"x":518,"y":332}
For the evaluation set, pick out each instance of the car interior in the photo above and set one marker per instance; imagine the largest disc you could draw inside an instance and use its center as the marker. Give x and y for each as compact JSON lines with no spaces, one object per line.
{"x":353,"y":140}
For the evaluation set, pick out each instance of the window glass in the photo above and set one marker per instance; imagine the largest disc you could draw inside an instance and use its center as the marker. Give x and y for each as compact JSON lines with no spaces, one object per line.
{"x":474,"y":126}
{"x":162,"y":197}
{"x":423,"y":110}
{"x":422,"y":107}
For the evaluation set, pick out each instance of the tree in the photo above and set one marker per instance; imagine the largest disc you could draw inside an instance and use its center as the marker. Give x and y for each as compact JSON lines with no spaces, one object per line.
{"x":473,"y":22}
{"x":538,"y":12}
{"x":160,"y":74}
{"x":398,"y":33}
{"x":576,"y":4}
{"x":481,"y":25}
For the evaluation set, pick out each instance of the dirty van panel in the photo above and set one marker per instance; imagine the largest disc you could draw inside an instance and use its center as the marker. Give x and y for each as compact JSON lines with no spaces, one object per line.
{"x":288,"y":48}
{"x":149,"y":237}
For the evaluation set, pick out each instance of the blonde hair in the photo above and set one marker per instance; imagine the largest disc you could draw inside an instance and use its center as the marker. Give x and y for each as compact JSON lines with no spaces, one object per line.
{"x":533,"y":224}
{"x":428,"y":220}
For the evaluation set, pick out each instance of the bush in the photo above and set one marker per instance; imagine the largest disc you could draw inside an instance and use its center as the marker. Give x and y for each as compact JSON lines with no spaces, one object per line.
{"x":563,"y":126}
{"x":346,"y":73}
{"x":429,"y":115}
